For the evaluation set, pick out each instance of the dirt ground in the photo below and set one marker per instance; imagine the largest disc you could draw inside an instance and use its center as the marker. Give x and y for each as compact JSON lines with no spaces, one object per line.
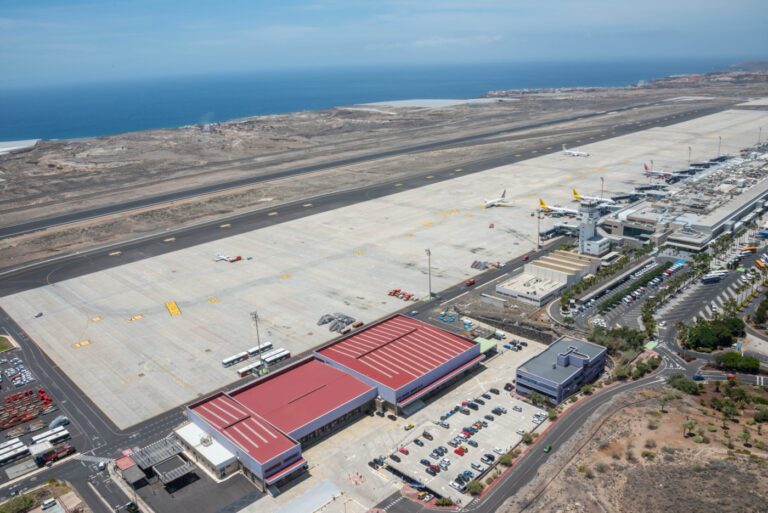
{"x":639,"y":460}
{"x":57,"y":177}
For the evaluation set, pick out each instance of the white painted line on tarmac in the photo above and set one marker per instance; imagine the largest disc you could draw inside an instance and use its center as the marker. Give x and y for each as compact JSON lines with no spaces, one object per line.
{"x":454,"y":299}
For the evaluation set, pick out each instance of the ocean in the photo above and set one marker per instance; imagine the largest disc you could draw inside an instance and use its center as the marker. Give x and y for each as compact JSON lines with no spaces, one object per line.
{"x":87,"y":110}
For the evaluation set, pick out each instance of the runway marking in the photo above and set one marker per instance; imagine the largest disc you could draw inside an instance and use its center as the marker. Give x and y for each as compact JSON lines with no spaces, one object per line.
{"x":173,"y":308}
{"x":213,"y":300}
{"x":549,"y":147}
{"x":272,"y":214}
{"x":533,"y":152}
{"x":591,"y":138}
{"x":578,"y":140}
{"x":307,"y":205}
{"x":82,"y":343}
{"x":225,"y":225}
{"x":359,"y":252}
{"x":285,"y":276}
{"x":459,"y":170}
{"x":454,"y":299}
{"x":398,"y":185}
{"x":451,"y":212}
{"x":426,"y":223}
{"x":518,"y":155}
{"x":136,"y":317}
{"x":116,"y":253}
{"x":430,"y":177}
{"x":96,"y":318}
{"x":409,"y":235}
{"x":169,"y":239}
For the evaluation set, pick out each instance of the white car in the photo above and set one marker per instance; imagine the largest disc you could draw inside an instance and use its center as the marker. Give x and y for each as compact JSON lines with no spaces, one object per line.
{"x":498,"y":451}
{"x":521,"y":431}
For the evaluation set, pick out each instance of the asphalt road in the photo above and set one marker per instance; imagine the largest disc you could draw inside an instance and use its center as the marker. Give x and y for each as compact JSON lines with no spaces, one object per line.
{"x":492,"y":136}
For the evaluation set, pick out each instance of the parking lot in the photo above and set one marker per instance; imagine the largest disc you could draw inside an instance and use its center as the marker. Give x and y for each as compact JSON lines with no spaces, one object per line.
{"x":26,"y":411}
{"x":442,"y":464}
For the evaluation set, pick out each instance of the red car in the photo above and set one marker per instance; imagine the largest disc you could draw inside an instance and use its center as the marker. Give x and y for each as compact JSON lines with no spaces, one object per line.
{"x":470,"y":282}
{"x":525,"y":258}
{"x":459,"y":451}
{"x":404,"y":450}
{"x":435,"y":468}
{"x":467,"y":434}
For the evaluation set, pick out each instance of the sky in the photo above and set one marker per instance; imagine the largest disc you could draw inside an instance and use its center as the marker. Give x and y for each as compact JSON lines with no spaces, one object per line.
{"x":45,"y":42}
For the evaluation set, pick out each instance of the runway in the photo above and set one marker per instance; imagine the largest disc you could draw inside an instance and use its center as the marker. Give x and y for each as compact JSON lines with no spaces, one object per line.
{"x":247,"y":164}
{"x":69,"y":266}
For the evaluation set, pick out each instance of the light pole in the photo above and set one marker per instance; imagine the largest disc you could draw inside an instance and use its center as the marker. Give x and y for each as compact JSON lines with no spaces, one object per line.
{"x":689,"y":155}
{"x":429,"y":270}
{"x":538,"y":230}
{"x":759,"y":134}
{"x":602,"y":187}
{"x":719,"y":143}
{"x":255,"y":321}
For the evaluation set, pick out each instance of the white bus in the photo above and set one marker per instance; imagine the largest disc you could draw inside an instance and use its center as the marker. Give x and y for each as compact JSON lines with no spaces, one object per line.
{"x":278,"y":355}
{"x":249,"y":369}
{"x":232,"y":360}
{"x":257,"y":350}
{"x":9,"y":443}
{"x":10,"y":448}
{"x":13,"y":455}
{"x":51,"y":435}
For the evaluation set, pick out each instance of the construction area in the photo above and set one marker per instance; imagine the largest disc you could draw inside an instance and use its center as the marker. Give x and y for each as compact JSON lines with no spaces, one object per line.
{"x":113,"y":334}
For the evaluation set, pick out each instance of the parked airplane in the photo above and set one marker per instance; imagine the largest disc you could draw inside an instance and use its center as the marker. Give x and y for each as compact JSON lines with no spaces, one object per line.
{"x":225,"y":258}
{"x":649,"y":171}
{"x":556,"y":210}
{"x":498,"y":202}
{"x":579,"y":197}
{"x":574,"y":153}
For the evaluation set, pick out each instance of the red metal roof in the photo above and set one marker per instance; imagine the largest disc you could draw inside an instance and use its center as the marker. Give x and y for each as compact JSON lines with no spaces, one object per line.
{"x":397,"y":350}
{"x":284,"y":472}
{"x":243,"y":427}
{"x":422,"y":392}
{"x":124,"y":463}
{"x":301,"y":394}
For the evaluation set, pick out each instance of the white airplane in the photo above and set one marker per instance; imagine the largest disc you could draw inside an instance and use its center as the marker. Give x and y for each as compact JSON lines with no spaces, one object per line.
{"x":574,"y":153}
{"x":221,"y":258}
{"x":556,"y":210}
{"x":649,"y":171}
{"x":579,"y":197}
{"x":498,"y":202}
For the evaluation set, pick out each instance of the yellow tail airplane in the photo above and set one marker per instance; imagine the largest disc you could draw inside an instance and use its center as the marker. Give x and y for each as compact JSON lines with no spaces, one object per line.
{"x":556,"y":210}
{"x":579,"y":197}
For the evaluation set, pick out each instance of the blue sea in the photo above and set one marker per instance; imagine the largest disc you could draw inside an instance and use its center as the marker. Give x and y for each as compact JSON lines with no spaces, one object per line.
{"x":113,"y":107}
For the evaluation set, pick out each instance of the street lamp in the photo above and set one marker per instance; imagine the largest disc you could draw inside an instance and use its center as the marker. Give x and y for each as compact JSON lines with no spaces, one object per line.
{"x":719,"y":143}
{"x":602,"y":187}
{"x":429,"y":270}
{"x":689,"y":155}
{"x":255,"y":321}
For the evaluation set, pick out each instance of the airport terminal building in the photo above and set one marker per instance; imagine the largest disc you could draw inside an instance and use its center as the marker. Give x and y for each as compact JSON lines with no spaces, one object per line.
{"x":562,"y":369}
{"x":264,"y":424}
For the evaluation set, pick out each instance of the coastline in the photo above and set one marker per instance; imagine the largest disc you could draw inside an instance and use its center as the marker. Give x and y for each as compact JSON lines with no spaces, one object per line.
{"x":90,"y":111}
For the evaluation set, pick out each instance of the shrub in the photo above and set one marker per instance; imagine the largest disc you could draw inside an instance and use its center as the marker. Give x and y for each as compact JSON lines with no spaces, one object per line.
{"x":587,"y":389}
{"x":527,"y":438}
{"x":735,"y":361}
{"x":648,"y":455}
{"x":761,"y":413}
{"x":475,"y":487}
{"x":505,"y":460}
{"x":650,"y":443}
{"x":445,"y":501}
{"x":621,"y":373}
{"x":683,"y":383}
{"x":698,"y":439}
{"x":653,"y":424}
{"x":552,"y":414}
{"x":602,"y":467}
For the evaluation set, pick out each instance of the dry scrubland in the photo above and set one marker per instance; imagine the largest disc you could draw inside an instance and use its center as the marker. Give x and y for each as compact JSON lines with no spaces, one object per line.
{"x":64,"y":176}
{"x":663,"y":451}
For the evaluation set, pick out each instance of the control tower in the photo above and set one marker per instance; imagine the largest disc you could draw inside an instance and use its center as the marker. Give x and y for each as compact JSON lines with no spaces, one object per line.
{"x":590,"y":243}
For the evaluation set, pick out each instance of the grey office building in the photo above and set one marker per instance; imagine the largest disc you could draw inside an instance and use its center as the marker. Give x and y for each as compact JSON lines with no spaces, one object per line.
{"x":562,"y":369}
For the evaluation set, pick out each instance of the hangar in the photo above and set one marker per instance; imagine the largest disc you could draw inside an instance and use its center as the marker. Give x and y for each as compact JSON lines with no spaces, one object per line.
{"x":403,"y":358}
{"x":265,"y":424}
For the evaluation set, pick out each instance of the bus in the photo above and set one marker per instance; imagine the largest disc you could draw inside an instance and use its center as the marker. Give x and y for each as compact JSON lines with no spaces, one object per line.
{"x":10,"y":448}
{"x":13,"y":455}
{"x":759,"y":263}
{"x":232,"y":360}
{"x":58,"y":434}
{"x":257,"y":350}
{"x":710,"y":278}
{"x":278,"y":355}
{"x":9,"y":443}
{"x":249,"y":369}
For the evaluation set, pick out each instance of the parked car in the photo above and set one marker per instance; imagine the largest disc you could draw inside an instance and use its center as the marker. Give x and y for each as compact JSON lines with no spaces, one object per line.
{"x":395,"y":457}
{"x":418,"y":442}
{"x":508,"y":387}
{"x":428,"y":436}
{"x":429,"y":471}
{"x":472,"y":443}
{"x":494,"y":391}
{"x":459,"y":451}
{"x":424,"y":462}
{"x":489,"y":417}
{"x":404,"y":450}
